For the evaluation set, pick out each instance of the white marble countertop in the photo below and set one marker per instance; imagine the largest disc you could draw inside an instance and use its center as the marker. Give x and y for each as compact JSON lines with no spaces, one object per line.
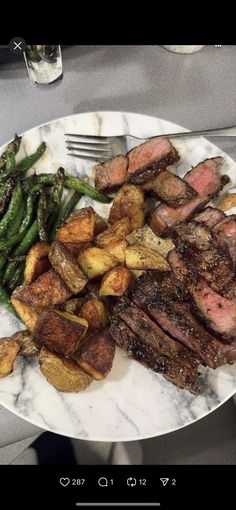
{"x":197,"y":91}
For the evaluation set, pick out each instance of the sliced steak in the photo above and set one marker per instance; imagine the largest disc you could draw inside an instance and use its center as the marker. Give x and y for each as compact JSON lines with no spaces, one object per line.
{"x":169,"y":188}
{"x":206,"y":180}
{"x":203,"y":254}
{"x":111,"y":174}
{"x":226,"y":234}
{"x":149,"y":158}
{"x":151,"y":334}
{"x":217,"y":312}
{"x":183,"y":377}
{"x":209,"y":216}
{"x":176,"y":319}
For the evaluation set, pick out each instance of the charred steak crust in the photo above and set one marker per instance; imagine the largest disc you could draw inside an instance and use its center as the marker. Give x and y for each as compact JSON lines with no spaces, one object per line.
{"x":150,"y":334}
{"x":207,"y":181}
{"x":176,"y":319}
{"x":182,"y":377}
{"x":150,"y":170}
{"x":169,"y":188}
{"x":203,"y":254}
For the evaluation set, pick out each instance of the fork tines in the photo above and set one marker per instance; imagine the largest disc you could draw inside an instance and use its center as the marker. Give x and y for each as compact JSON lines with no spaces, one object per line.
{"x":89,"y":147}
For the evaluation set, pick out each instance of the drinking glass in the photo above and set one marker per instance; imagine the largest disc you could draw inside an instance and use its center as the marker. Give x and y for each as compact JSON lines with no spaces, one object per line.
{"x":44,"y":63}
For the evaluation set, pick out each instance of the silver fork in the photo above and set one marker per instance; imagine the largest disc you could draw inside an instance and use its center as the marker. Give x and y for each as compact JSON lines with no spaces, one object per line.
{"x":102,"y":148}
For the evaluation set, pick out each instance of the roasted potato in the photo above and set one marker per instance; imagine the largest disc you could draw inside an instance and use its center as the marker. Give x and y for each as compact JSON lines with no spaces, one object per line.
{"x":78,"y":228}
{"x":140,"y":257}
{"x":119,"y":230}
{"x":96,"y":354}
{"x":76,"y":248}
{"x":67,"y":267}
{"x":95,"y":312}
{"x":59,"y":331}
{"x":48,"y":290}
{"x":9,"y":349}
{"x":118,"y":250}
{"x":146,"y":237}
{"x":73,"y":305}
{"x":129,"y":201}
{"x":100,"y":224}
{"x":37,"y":261}
{"x":227,"y":202}
{"x":96,"y":261}
{"x":62,"y":373}
{"x":115,"y":282}
{"x":26,"y":343}
{"x":27,"y":314}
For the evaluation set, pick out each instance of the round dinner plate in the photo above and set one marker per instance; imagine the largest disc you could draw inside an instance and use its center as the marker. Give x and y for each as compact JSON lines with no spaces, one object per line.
{"x":132,"y":402}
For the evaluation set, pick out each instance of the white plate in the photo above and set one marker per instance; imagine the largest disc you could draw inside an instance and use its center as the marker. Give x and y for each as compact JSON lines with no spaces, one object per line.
{"x":133,"y":402}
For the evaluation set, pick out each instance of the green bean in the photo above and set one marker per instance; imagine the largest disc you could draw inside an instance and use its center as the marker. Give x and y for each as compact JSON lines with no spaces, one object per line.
{"x":7,"y":191}
{"x":82,"y":187}
{"x":13,"y":148}
{"x":15,"y":225}
{"x":75,"y":184}
{"x":57,"y":195}
{"x":16,"y":258}
{"x":58,"y":186}
{"x":29,"y":161}
{"x":64,"y":213}
{"x":16,"y":238}
{"x":41,"y":216}
{"x":16,"y":199}
{"x":5,"y":300}
{"x":15,"y":279}
{"x":3,"y":257}
{"x":27,"y":241}
{"x":10,"y":163}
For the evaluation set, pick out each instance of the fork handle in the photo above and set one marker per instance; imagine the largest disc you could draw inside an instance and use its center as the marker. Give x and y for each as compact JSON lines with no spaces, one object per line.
{"x":225,"y":131}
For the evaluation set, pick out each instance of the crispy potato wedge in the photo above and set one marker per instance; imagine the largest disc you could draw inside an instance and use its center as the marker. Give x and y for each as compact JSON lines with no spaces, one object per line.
{"x":27,"y":314}
{"x":100,"y":224}
{"x":146,"y":237}
{"x":227,"y":202}
{"x":129,"y":201}
{"x":73,"y":305}
{"x":96,"y":261}
{"x":119,"y":230}
{"x":118,"y":250}
{"x":62,"y":373}
{"x":140,"y":257}
{"x":37,"y":261}
{"x":9,"y":349}
{"x":59,"y":331}
{"x":115,"y":282}
{"x":67,"y":267}
{"x":78,"y":228}
{"x":27,"y":346}
{"x":48,"y":290}
{"x":76,"y":248}
{"x":96,"y":354}
{"x":96,"y":313}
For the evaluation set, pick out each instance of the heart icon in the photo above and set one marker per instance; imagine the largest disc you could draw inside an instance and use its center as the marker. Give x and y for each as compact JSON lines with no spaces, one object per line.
{"x":64,"y":481}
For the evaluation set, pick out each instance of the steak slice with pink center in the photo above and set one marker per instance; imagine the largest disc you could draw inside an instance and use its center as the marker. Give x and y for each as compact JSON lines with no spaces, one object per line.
{"x":206,"y":180}
{"x":148,"y":159}
{"x":111,"y":174}
{"x":217,"y":312}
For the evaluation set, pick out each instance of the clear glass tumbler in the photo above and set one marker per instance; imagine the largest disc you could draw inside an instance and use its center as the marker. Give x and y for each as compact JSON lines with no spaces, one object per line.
{"x":44,"y":63}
